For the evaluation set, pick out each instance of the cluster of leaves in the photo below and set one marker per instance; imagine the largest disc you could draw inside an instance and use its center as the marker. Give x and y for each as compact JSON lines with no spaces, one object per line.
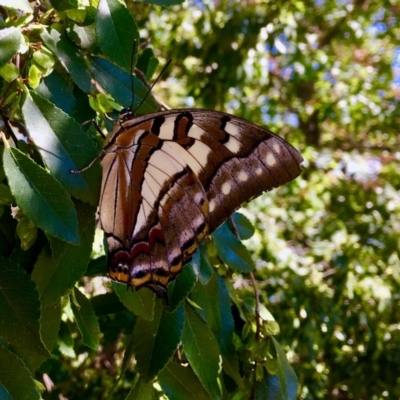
{"x":322,"y":72}
{"x":60,"y":66}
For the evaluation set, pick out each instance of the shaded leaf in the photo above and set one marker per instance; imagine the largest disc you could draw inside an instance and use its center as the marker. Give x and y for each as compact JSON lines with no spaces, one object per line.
{"x":287,"y":377}
{"x":20,"y":315}
{"x":64,"y":146}
{"x":40,"y":196}
{"x":118,"y":83}
{"x":181,"y":286}
{"x":141,"y":303}
{"x":69,"y":57}
{"x":179,"y":382}
{"x":231,"y":250}
{"x":155,"y":341}
{"x":57,"y":271}
{"x":202,"y":351}
{"x":142,"y":391}
{"x":243,"y":226}
{"x":15,"y":378}
{"x":86,"y":320}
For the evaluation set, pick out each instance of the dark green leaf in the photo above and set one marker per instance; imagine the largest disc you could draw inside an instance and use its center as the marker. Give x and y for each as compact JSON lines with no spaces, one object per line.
{"x":179,"y":382}
{"x":40,"y":196}
{"x":64,"y":146}
{"x":55,"y":274}
{"x":86,"y":320}
{"x":20,"y":315}
{"x":116,"y":30}
{"x":64,"y":5}
{"x":205,"y":269}
{"x":142,"y":391}
{"x":50,"y":324}
{"x":181,"y":287}
{"x":107,"y":303}
{"x":147,"y":62}
{"x":287,"y":377}
{"x":10,"y":40}
{"x":231,"y":250}
{"x":202,"y":351}
{"x":243,"y":225}
{"x":69,"y":57}
{"x":15,"y":378}
{"x":118,"y":83}
{"x":156,"y":341}
{"x":141,"y":303}
{"x":59,"y":90}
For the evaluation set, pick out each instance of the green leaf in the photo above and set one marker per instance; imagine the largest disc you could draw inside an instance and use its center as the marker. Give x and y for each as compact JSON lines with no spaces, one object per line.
{"x":86,"y":320}
{"x":287,"y":377}
{"x":15,"y":378}
{"x":181,"y":287}
{"x":155,"y":341}
{"x":84,"y":36}
{"x":205,"y":269}
{"x":40,"y":196}
{"x":9,"y":72}
{"x":147,"y":62}
{"x":22,"y":5}
{"x":118,"y":83}
{"x":202,"y":351}
{"x":231,"y":250}
{"x":116,"y":30}
{"x":64,"y":146}
{"x":63,"y":5}
{"x":179,"y":382}
{"x":161,"y":2}
{"x":243,"y":225}
{"x":10,"y":40}
{"x":34,"y":76}
{"x":69,"y":57}
{"x":142,"y":391}
{"x":141,"y":303}
{"x":55,"y":274}
{"x":20,"y":315}
{"x":50,"y":324}
{"x":107,"y":303}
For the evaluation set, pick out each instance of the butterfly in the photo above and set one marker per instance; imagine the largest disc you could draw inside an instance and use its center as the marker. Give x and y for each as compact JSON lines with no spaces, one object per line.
{"x":172,"y":177}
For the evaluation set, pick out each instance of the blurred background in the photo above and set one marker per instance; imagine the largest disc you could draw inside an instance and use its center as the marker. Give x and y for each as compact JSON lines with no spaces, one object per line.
{"x":325,"y":75}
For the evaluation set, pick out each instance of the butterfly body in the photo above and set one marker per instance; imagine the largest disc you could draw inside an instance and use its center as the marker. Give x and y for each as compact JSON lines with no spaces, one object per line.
{"x":173,"y":177}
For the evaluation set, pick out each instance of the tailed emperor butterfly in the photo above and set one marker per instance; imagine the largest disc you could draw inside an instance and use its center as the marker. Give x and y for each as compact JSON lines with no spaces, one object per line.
{"x":172,"y":177}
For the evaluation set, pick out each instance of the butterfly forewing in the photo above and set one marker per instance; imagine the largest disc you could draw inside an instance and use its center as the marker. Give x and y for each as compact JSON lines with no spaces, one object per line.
{"x":170,"y":178}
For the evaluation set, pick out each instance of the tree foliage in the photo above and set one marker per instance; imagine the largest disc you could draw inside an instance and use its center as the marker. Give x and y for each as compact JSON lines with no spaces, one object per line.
{"x":325,"y":247}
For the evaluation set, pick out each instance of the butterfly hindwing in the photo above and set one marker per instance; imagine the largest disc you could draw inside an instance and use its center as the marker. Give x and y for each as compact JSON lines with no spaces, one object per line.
{"x":172,"y":177}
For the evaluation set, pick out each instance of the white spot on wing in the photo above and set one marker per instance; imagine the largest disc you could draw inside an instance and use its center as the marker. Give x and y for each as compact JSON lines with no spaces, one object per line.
{"x":270,"y":159}
{"x":211,"y":205}
{"x":259,"y":171}
{"x":277,"y":147}
{"x":226,"y":188}
{"x":243,"y":176}
{"x":232,"y":129}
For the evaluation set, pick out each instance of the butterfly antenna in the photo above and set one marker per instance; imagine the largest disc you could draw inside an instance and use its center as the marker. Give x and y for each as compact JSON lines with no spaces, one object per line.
{"x":152,"y":85}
